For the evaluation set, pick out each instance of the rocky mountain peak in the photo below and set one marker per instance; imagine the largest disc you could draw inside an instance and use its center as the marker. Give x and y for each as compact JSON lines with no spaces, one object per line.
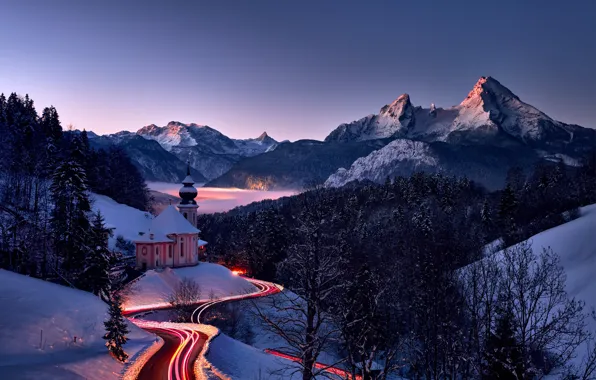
{"x":264,"y":136}
{"x":398,"y":107}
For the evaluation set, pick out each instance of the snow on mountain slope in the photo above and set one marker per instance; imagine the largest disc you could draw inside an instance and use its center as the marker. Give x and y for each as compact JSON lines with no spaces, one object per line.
{"x":174,"y":135}
{"x":378,"y":165}
{"x":153,"y":289}
{"x":490,"y":113}
{"x":39,"y":321}
{"x":393,"y":118}
{"x":209,"y":151}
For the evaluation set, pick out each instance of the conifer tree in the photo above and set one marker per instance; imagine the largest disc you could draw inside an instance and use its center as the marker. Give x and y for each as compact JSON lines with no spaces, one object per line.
{"x":116,"y":329}
{"x":96,"y":275}
{"x":503,"y":356}
{"x":70,"y":226}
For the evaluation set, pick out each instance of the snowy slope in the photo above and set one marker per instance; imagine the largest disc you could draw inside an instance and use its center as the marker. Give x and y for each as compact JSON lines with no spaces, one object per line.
{"x":406,"y":154}
{"x":575,"y":243}
{"x":240,"y":361}
{"x":127,"y":221}
{"x":39,"y":321}
{"x":153,"y":289}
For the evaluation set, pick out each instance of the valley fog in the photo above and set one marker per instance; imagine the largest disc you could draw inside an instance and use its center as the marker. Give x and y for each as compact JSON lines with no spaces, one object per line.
{"x":214,"y":199}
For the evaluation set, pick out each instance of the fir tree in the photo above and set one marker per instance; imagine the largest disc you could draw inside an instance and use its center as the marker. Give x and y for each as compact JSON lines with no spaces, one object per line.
{"x":116,"y":329}
{"x":70,"y":226}
{"x":503,"y":356}
{"x":96,"y":275}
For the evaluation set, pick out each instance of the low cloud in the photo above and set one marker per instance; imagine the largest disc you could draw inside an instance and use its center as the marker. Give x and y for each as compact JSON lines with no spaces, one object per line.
{"x":215,"y":199}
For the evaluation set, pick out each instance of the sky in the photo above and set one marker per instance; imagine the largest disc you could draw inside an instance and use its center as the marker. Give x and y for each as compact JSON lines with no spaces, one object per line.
{"x":296,"y":69}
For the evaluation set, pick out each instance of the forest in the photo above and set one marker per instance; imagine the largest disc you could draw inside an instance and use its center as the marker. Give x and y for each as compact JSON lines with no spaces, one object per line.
{"x":403,"y":273}
{"x":47,"y":228}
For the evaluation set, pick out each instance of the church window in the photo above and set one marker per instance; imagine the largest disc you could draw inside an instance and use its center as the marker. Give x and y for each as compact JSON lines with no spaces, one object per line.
{"x":186,"y":216}
{"x":181,"y":249}
{"x":170,"y":252}
{"x":144,"y":250}
{"x":156,"y":251}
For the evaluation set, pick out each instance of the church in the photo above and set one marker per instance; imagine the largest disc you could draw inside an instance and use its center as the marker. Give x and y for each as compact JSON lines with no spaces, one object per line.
{"x":173,"y":237}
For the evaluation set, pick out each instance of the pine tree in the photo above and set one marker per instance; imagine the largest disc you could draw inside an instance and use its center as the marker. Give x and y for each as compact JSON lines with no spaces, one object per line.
{"x":70,"y":226}
{"x":96,"y":275}
{"x":507,"y":212}
{"x":116,"y":329}
{"x":503,"y":356}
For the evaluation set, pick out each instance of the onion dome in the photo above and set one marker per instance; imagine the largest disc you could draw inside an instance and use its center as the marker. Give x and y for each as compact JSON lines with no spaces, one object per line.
{"x":188,"y":192}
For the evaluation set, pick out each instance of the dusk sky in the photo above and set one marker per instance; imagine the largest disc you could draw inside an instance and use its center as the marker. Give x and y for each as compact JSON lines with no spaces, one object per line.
{"x":294,"y":69}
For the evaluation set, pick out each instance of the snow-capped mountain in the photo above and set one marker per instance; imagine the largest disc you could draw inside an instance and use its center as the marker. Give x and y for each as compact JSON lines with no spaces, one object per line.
{"x":491,"y":117}
{"x":490,"y":114}
{"x":209,"y":151}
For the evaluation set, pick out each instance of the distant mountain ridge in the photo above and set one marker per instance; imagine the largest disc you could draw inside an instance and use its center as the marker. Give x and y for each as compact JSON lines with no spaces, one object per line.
{"x":162,"y":152}
{"x":491,"y":130}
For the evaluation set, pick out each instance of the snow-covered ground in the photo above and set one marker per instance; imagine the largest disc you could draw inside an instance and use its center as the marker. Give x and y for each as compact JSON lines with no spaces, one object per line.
{"x":152,"y":289}
{"x":241,"y":361}
{"x":575,"y":243}
{"x":38,"y":323}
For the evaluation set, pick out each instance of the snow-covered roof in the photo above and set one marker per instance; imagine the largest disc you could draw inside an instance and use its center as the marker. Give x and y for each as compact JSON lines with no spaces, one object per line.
{"x":170,"y":221}
{"x":202,"y":242}
{"x":158,"y":237}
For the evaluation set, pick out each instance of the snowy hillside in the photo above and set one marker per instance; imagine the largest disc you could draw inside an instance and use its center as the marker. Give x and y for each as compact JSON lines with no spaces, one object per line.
{"x":407,"y":155}
{"x":152,"y":289}
{"x":490,"y":114}
{"x":575,"y":243}
{"x":39,"y":321}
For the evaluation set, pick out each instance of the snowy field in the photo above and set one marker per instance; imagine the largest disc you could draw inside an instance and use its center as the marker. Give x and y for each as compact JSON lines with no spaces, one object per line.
{"x":39,"y":321}
{"x":152,"y":289}
{"x":214,"y":199}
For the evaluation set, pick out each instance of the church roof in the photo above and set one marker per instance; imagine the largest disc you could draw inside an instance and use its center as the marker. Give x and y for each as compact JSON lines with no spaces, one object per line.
{"x":171,"y":221}
{"x":158,"y":237}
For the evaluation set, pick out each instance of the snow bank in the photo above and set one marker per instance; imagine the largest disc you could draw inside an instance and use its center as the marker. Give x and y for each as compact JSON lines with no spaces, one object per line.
{"x":39,"y":321}
{"x":241,"y":361}
{"x":127,"y":221}
{"x":152,"y":290}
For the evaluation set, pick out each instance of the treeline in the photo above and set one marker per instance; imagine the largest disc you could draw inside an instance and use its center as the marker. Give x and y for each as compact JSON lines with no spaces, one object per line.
{"x":383,"y":265}
{"x":47,"y":229}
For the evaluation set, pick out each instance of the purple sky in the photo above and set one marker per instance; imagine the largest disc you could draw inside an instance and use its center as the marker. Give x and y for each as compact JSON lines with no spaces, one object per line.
{"x":295,"y":69}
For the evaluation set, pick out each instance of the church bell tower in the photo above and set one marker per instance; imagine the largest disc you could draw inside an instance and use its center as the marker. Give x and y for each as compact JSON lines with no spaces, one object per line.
{"x":188,"y":206}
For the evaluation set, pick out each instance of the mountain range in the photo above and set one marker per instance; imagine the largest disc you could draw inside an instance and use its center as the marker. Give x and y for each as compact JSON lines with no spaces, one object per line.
{"x":491,"y":130}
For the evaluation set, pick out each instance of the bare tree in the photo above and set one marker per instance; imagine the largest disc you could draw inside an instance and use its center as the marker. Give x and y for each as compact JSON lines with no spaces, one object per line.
{"x":184,"y":298}
{"x":313,"y":272}
{"x":549,"y":326}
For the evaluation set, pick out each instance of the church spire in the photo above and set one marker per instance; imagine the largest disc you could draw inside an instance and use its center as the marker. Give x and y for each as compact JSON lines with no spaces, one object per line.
{"x":188,"y":192}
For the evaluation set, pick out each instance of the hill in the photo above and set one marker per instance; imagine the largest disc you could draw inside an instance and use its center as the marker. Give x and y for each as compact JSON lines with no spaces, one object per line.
{"x":40,"y":321}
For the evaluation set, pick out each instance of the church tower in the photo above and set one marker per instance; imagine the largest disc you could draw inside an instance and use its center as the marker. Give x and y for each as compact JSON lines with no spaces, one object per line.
{"x":188,"y":206}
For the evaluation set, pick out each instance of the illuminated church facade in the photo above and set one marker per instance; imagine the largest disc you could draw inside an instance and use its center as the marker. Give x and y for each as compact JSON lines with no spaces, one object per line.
{"x":173,"y":237}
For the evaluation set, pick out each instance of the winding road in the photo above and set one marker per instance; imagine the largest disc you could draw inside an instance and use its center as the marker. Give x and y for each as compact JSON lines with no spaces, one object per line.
{"x":183,"y":344}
